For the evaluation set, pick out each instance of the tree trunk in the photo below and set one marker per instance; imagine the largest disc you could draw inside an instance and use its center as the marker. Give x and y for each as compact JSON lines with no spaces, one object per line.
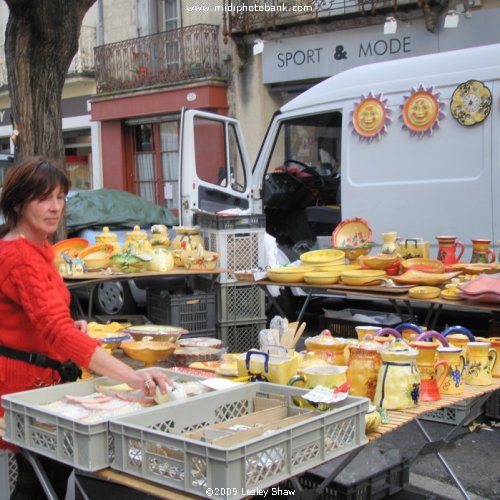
{"x":40,"y":42}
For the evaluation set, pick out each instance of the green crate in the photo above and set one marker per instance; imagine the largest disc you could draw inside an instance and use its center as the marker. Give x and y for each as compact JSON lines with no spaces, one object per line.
{"x":152,"y":446}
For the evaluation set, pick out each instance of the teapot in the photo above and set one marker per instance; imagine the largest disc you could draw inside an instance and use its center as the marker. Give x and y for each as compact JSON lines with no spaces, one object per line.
{"x":398,"y":382}
{"x":331,"y":348}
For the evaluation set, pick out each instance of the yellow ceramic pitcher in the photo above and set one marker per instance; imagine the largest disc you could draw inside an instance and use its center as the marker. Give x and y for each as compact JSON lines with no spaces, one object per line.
{"x":482,"y":360}
{"x":362,"y":371}
{"x":495,"y":343}
{"x":450,"y":377}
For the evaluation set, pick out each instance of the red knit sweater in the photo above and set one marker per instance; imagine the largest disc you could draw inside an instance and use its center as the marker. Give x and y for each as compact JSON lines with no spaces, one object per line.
{"x":35,"y":316}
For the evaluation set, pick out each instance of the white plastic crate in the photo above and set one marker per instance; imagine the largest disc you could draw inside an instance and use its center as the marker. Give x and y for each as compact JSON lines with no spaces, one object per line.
{"x":151,"y":445}
{"x":238,"y":249}
{"x":455,"y":413}
{"x":8,"y":473}
{"x":240,"y":302}
{"x":84,"y":446}
{"x":240,"y":336}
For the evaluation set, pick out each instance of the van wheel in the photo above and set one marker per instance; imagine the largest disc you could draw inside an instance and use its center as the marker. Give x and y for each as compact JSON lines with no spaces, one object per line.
{"x":113,"y":298}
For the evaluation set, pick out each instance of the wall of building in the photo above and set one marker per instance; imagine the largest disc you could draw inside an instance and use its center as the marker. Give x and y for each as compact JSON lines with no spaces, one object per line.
{"x":120,"y":20}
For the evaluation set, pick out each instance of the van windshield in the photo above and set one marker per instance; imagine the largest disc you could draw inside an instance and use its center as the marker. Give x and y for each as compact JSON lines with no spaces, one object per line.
{"x":301,"y":188}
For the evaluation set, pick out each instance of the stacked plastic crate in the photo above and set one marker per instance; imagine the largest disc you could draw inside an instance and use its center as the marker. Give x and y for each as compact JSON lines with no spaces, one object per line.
{"x":239,"y":241}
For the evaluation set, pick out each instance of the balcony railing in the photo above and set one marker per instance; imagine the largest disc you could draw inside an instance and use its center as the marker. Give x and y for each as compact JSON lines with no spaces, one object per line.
{"x":172,"y":56}
{"x":242,"y":16}
{"x":83,"y":62}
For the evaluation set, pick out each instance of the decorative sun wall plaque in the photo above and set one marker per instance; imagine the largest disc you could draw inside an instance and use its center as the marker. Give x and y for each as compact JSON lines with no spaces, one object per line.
{"x":370,"y":117}
{"x":422,"y":111}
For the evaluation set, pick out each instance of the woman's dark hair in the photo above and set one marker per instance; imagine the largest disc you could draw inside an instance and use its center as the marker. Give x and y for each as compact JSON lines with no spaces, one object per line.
{"x":29,"y":179}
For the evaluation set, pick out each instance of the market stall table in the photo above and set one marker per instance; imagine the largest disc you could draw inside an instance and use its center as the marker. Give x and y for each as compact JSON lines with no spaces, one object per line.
{"x":398,"y":296}
{"x":91,"y":280}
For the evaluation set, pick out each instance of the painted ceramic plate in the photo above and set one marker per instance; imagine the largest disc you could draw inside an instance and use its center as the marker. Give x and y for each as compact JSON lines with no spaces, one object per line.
{"x":353,"y":232}
{"x":71,"y":246}
{"x":370,"y":117}
{"x":421,"y":111}
{"x":471,"y":103}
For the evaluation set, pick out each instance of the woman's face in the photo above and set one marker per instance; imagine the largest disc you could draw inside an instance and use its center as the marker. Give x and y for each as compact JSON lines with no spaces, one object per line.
{"x":40,"y":216}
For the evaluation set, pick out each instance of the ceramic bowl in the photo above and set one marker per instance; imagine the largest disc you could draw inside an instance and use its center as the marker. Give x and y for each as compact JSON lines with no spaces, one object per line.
{"x":424,"y":265}
{"x":450,"y":295}
{"x":412,"y":277}
{"x":424,"y":292}
{"x":354,"y":253}
{"x":197,"y":261}
{"x":71,"y":247}
{"x":149,"y":352}
{"x":160,"y":333}
{"x":324,"y":257}
{"x":97,"y":256}
{"x":322,"y":277}
{"x":340,"y":268}
{"x":363,"y":277}
{"x":288,"y":274}
{"x":379,"y":260}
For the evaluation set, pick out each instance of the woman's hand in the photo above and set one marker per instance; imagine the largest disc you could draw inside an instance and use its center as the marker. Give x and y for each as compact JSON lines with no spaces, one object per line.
{"x":81,"y":325}
{"x":149,"y":380}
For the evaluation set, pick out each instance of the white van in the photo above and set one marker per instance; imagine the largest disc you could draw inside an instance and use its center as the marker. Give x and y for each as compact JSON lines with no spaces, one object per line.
{"x":313,"y":170}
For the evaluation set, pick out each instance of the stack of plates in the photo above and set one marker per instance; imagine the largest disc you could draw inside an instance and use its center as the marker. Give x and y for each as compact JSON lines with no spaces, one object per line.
{"x":482,"y":289}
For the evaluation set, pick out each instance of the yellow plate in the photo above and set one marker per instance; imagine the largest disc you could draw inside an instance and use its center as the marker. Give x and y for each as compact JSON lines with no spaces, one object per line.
{"x":450,"y":295}
{"x":320,"y":257}
{"x":321,"y":278}
{"x":379,"y":260}
{"x":424,"y":292}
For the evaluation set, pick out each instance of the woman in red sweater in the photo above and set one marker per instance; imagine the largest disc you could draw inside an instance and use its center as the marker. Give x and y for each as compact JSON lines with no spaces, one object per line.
{"x":34,"y":302}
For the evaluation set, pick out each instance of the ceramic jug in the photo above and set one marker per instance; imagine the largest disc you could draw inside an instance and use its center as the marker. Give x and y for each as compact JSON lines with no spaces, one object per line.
{"x":447,"y":250}
{"x":187,"y":238}
{"x":159,"y":236}
{"x":410,"y":331}
{"x":459,"y":336}
{"x":450,"y":377}
{"x":427,"y":366}
{"x":363,"y":331}
{"x":389,"y":243}
{"x":362,"y":371}
{"x":482,"y":253}
{"x":495,"y":343}
{"x":482,"y":360}
{"x":398,"y":382}
{"x":386,"y":335}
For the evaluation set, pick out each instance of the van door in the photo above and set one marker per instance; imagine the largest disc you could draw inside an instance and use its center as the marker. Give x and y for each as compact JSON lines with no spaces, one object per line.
{"x":214,"y":170}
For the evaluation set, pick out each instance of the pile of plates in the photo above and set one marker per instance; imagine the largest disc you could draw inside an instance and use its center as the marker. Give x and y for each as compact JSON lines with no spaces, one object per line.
{"x":482,"y":289}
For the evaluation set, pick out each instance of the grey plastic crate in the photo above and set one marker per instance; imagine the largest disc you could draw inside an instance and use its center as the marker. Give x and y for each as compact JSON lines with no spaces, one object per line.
{"x":240,"y":336}
{"x":151,"y":445}
{"x":8,"y":473}
{"x":492,"y":406}
{"x":238,"y":249}
{"x":195,"y":312}
{"x":240,"y":302}
{"x":83,"y":446}
{"x":455,"y":413}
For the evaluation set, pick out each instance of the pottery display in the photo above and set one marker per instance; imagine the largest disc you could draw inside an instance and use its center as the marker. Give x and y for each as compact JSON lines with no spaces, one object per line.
{"x":481,"y":252}
{"x":413,"y":277}
{"x":379,"y":260}
{"x":162,"y":260}
{"x":261,"y":366}
{"x":362,"y":371}
{"x":482,"y":360}
{"x":288,"y":274}
{"x":398,"y":382}
{"x":450,"y":377}
{"x":495,"y":343}
{"x":150,"y":352}
{"x":424,"y":292}
{"x":187,"y":238}
{"x":322,"y":277}
{"x":322,"y":258}
{"x":390,"y":243}
{"x":363,"y":277}
{"x":159,"y":236}
{"x":424,"y":265}
{"x":137,"y":242}
{"x":363,"y":331}
{"x":459,"y":336}
{"x":409,"y":331}
{"x":447,"y":250}
{"x":330,"y":348}
{"x":327,"y":376}
{"x":97,"y":256}
{"x":108,"y":237}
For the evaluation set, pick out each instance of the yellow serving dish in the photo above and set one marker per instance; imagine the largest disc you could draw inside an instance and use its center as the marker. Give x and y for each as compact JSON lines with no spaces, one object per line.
{"x":424,"y":292}
{"x":379,"y":260}
{"x":149,"y":352}
{"x":424,"y":265}
{"x":322,"y":277}
{"x":450,"y":295}
{"x":326,"y":257}
{"x":419,"y":278}
{"x":363,"y":277}
{"x":339,"y":268}
{"x":288,"y":274}
{"x":97,"y":256}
